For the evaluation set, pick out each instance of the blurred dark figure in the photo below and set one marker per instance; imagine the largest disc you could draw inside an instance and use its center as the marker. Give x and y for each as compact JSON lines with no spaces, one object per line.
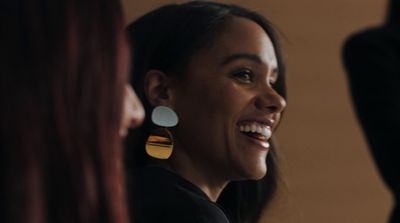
{"x":372,"y":59}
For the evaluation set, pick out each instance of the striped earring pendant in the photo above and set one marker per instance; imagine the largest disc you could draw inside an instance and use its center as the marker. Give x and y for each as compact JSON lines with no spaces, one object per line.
{"x":160,"y":143}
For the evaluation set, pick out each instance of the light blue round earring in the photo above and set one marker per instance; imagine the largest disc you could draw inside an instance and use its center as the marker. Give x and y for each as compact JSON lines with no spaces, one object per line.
{"x":160,"y":143}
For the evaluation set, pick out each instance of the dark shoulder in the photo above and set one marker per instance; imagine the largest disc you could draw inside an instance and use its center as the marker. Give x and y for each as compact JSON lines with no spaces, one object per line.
{"x":160,"y":196}
{"x":373,"y":51}
{"x":379,"y":38}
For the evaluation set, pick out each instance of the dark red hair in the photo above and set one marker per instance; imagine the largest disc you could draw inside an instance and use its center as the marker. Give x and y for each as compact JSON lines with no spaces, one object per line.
{"x":62,"y":80}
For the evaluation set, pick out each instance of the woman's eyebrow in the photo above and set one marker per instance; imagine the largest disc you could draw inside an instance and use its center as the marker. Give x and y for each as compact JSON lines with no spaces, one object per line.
{"x":239,"y":56}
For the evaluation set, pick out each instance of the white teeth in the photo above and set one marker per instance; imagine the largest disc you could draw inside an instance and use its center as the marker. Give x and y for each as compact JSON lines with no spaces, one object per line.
{"x":267,"y":132}
{"x":256,"y":127}
{"x":253,"y":128}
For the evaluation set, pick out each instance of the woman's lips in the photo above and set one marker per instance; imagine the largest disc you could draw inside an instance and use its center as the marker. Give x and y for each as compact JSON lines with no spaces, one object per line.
{"x":259,"y":142}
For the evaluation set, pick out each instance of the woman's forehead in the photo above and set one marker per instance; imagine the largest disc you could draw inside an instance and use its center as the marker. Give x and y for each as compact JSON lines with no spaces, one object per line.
{"x":241,"y":38}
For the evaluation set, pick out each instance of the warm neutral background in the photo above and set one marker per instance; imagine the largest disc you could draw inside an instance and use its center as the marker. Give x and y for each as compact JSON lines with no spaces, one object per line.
{"x":329,"y":174}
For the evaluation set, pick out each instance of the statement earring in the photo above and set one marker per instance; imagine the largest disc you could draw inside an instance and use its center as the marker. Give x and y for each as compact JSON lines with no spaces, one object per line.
{"x":160,"y":142}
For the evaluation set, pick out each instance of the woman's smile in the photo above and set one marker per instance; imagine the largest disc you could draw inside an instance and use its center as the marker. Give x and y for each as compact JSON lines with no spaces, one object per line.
{"x":256,"y":130}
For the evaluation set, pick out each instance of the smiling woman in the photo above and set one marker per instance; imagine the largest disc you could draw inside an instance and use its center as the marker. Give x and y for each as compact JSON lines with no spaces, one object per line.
{"x":218,"y":67}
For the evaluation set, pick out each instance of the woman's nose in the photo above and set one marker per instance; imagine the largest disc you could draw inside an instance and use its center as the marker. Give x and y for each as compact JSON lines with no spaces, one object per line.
{"x":133,"y":113}
{"x":271,"y":101}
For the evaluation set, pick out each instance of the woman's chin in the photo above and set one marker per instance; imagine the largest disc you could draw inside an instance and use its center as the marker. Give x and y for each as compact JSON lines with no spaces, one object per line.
{"x":256,"y":173}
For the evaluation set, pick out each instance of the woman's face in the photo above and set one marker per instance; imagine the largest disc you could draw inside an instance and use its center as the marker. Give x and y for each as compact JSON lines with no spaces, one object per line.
{"x":226,"y":93}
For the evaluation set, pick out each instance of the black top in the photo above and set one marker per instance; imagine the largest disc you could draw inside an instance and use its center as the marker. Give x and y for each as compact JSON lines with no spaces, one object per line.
{"x":158,"y":195}
{"x":372,"y":59}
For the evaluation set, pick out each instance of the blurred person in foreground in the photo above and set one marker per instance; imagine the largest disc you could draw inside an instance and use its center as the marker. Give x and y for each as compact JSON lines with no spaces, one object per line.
{"x":65,"y":104}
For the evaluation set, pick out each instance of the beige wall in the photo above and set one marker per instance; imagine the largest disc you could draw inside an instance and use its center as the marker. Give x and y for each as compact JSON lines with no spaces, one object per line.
{"x":329,"y":173}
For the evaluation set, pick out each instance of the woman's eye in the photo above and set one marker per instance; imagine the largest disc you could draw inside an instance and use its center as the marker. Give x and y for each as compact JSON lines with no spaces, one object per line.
{"x":244,"y":75}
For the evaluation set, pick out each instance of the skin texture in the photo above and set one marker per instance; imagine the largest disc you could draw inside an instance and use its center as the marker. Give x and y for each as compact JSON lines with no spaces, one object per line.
{"x":229,"y":83}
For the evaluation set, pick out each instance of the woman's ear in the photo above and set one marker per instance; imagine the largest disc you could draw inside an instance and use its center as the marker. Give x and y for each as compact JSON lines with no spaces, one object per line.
{"x":157,"y":87}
